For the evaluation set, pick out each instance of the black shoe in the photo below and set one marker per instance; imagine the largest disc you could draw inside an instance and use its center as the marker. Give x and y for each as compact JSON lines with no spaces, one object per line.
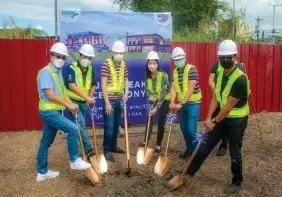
{"x":90,"y":153}
{"x":185,"y":155}
{"x":118,"y":150}
{"x":221,"y":152}
{"x":233,"y":188}
{"x":109,"y":157}
{"x":158,"y":150}
{"x":142,"y":144}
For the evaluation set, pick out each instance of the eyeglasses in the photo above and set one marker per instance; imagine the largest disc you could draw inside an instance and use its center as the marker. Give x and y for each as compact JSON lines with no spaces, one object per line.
{"x":59,"y":56}
{"x":90,"y":58}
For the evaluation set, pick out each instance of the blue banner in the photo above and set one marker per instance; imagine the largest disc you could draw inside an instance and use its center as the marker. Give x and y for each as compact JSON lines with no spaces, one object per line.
{"x":141,"y":33}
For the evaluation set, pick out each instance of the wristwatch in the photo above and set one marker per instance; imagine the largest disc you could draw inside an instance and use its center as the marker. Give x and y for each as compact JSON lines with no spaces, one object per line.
{"x":214,"y":121}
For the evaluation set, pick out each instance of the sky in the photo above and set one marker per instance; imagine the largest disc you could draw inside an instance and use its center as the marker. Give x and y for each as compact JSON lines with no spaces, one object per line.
{"x":40,"y":13}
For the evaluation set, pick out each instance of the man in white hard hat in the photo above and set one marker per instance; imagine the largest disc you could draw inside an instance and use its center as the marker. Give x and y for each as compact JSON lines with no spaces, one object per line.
{"x":80,"y":81}
{"x":227,"y":47}
{"x":114,"y":81}
{"x":231,"y":93}
{"x":185,"y":85}
{"x":52,"y":100}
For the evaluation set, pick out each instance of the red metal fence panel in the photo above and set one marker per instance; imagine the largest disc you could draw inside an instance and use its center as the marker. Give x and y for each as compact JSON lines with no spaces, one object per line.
{"x":22,"y":59}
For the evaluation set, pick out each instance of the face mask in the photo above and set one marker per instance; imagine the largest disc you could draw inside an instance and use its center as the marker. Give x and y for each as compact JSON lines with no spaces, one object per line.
{"x":85,"y":62}
{"x":226,"y":62}
{"x":58,"y":63}
{"x":179,"y":63}
{"x":118,"y":57}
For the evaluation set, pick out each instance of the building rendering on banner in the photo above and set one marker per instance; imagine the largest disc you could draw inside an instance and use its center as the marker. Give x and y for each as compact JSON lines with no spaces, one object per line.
{"x":134,"y":43}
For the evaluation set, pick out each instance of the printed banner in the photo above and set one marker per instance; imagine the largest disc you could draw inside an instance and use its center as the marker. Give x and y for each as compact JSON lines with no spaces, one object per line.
{"x":140,"y":32}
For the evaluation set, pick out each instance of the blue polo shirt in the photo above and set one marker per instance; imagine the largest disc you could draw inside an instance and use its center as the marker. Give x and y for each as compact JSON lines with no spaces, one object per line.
{"x":71,"y":78}
{"x":46,"y":81}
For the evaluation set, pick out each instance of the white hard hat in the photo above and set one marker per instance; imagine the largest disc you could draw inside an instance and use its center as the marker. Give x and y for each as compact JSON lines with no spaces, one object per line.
{"x":178,"y":53}
{"x":118,"y":47}
{"x":59,"y":48}
{"x":152,"y":55}
{"x":227,"y":47}
{"x":87,"y":50}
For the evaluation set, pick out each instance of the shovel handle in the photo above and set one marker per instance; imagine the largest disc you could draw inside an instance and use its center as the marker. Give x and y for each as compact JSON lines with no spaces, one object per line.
{"x":126,"y":133}
{"x":94,"y":134}
{"x":81,"y":147}
{"x":147,"y":133}
{"x":168,"y":138}
{"x":192,"y":157}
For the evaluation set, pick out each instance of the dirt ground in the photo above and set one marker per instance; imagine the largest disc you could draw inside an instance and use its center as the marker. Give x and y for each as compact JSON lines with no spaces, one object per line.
{"x":262,"y":167}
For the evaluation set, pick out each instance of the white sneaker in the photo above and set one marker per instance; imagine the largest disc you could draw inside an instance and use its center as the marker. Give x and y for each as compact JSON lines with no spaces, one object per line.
{"x":79,"y":164}
{"x":121,"y":131}
{"x":49,"y":175}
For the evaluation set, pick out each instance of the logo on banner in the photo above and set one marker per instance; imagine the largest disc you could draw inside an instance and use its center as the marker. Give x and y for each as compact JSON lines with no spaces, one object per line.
{"x":69,"y":15}
{"x":162,"y":18}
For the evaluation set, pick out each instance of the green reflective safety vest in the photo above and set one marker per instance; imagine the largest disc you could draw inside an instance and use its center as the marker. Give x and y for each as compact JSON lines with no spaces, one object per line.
{"x":157,"y":92}
{"x":181,"y":93}
{"x":223,"y":97}
{"x":49,"y":105}
{"x":117,"y":83}
{"x":85,"y":86}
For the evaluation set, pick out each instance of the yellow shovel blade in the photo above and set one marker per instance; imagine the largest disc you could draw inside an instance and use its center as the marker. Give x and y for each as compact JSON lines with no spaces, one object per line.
{"x":91,"y":175}
{"x":95,"y":164}
{"x":162,"y":166}
{"x":102,"y":163}
{"x":140,"y":155}
{"x":148,"y":156}
{"x":175,"y":182}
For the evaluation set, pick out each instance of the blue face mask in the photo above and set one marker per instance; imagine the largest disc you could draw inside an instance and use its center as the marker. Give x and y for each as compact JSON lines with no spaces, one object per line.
{"x":179,"y":63}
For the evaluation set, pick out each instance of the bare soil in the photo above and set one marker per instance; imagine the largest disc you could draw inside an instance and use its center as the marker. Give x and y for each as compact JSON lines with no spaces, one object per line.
{"x":262,"y":167}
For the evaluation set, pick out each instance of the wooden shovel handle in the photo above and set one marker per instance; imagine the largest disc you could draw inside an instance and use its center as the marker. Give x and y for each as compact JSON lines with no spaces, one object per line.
{"x":125,"y":130}
{"x":192,"y":157}
{"x":147,"y":133}
{"x":94,"y":134}
{"x":81,"y":147}
{"x":168,"y":138}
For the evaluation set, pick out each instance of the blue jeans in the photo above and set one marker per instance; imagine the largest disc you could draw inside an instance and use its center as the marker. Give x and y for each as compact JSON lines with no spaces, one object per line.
{"x":53,"y":121}
{"x":188,"y":119}
{"x":82,"y":112}
{"x":111,"y":125}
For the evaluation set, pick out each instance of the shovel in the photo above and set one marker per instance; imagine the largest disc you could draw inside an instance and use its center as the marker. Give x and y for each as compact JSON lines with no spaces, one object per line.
{"x":98,"y":161}
{"x":90,"y":173}
{"x":128,"y":171}
{"x":177,"y":181}
{"x":144,"y":154}
{"x":163,"y":163}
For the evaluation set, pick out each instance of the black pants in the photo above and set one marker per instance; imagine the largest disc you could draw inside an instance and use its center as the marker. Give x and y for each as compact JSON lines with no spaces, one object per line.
{"x":235,"y":128}
{"x":224,"y":139}
{"x":163,"y":111}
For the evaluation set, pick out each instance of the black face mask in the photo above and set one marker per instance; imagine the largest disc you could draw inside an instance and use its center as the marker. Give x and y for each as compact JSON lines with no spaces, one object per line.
{"x":226,"y":62}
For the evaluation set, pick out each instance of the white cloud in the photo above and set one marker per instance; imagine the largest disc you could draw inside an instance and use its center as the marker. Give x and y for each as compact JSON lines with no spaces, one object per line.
{"x":39,"y":27}
{"x":44,"y":9}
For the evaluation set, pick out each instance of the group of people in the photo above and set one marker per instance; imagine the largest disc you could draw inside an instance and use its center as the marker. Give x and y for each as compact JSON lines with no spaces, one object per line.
{"x":226,"y":119}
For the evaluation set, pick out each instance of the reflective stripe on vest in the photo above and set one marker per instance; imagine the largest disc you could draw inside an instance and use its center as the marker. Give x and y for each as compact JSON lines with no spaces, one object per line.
{"x":116,"y":86}
{"x":157,"y":92}
{"x":223,"y":97}
{"x":182,"y":93}
{"x":85,"y":86}
{"x":49,"y":105}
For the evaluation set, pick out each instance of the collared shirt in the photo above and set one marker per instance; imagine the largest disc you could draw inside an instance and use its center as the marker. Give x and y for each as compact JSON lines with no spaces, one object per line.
{"x":46,"y":81}
{"x":71,"y":77}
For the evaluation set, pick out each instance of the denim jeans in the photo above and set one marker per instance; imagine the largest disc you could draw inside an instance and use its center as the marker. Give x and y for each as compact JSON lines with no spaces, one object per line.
{"x":188,"y":119}
{"x":82,"y":112}
{"x":53,"y":121}
{"x":111,"y":125}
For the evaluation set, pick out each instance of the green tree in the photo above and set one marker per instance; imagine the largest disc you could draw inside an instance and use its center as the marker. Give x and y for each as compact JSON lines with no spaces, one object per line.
{"x":184,"y":12}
